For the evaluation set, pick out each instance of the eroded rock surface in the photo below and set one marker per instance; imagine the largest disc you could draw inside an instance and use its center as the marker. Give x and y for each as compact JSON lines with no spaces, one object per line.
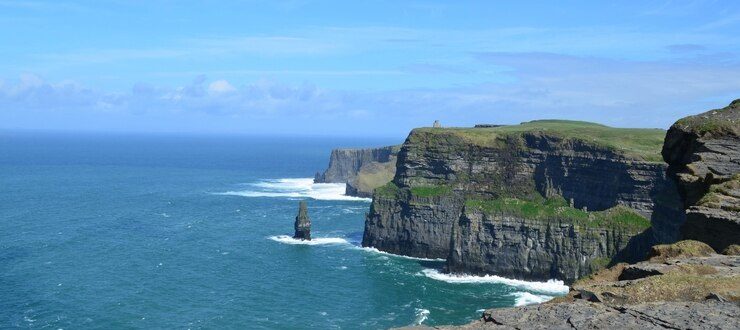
{"x":703,"y":152}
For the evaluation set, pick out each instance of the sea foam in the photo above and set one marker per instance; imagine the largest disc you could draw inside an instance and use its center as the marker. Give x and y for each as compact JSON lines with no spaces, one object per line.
{"x":421,"y":316}
{"x":554,"y":287}
{"x":296,"y":188}
{"x":526,"y":298}
{"x":374,"y":250}
{"x":285,"y":239}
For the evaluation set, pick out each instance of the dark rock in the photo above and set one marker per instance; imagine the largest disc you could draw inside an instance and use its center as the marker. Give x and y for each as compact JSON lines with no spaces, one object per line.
{"x":302,"y":223}
{"x":642,"y":270}
{"x":714,"y":296}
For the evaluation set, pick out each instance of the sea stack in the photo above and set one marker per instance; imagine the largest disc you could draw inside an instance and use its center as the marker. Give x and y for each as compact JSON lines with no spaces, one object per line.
{"x":302,"y":223}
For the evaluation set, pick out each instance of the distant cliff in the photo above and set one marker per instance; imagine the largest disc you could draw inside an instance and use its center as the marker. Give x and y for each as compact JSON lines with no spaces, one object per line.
{"x":703,"y":152}
{"x":515,"y":171}
{"x":362,"y":169}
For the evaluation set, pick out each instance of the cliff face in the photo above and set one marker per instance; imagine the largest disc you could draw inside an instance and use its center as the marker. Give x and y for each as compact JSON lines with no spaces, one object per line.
{"x":515,"y":247}
{"x":703,"y":152}
{"x":439,"y":170}
{"x":344,"y":164}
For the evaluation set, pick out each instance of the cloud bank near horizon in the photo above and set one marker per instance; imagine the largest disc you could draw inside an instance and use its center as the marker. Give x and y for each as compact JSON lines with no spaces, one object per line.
{"x":634,"y":65}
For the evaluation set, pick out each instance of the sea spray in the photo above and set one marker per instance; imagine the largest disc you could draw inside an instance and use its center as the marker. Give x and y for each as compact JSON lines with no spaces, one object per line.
{"x":554,"y":287}
{"x":295,"y":188}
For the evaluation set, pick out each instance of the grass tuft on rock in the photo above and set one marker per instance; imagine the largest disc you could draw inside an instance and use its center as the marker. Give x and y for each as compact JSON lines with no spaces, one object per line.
{"x":685,"y":248}
{"x":389,"y":190}
{"x":431,"y":191}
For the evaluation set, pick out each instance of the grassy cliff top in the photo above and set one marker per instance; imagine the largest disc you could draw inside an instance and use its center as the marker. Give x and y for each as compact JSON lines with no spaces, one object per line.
{"x":638,"y":143}
{"x":717,"y":121}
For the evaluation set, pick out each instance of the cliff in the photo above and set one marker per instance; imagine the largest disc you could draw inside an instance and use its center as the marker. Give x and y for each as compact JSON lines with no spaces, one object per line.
{"x":440,"y":170}
{"x":703,"y":152}
{"x":362,"y":170}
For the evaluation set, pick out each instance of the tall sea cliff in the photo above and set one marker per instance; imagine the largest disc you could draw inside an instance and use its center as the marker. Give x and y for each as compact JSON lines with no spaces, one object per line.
{"x":540,"y":200}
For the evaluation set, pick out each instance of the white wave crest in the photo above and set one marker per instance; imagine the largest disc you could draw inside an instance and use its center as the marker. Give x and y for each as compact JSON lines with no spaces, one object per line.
{"x":555,"y":287}
{"x":296,"y":188}
{"x":374,"y":250}
{"x":421,"y":316}
{"x":285,"y":239}
{"x":526,"y":298}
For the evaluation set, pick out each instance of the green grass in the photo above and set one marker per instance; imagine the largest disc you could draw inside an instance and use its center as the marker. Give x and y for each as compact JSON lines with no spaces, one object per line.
{"x":374,"y":175}
{"x":600,"y":263}
{"x":638,"y":143}
{"x":390,"y":190}
{"x":558,"y":209}
{"x":431,"y":191}
{"x":722,"y":192}
{"x":717,"y":121}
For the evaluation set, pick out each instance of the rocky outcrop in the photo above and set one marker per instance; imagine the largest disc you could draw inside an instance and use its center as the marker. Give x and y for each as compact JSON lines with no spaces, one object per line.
{"x":703,"y":153}
{"x":302,"y":223}
{"x":440,"y":169}
{"x":344,"y":164}
{"x":588,"y":315}
{"x":684,"y":286}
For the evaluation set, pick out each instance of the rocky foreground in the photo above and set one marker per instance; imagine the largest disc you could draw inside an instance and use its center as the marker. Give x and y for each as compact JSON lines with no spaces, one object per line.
{"x":685,"y":285}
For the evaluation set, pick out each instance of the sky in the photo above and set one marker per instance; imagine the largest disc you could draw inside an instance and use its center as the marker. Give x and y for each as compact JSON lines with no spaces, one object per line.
{"x":363,"y":68}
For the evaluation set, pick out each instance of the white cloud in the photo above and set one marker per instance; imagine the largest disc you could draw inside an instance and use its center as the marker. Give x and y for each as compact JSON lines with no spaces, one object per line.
{"x":221,"y":87}
{"x":540,"y":85}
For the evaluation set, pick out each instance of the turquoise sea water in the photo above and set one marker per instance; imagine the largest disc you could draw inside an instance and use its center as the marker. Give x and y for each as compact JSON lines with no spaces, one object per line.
{"x":183,"y":232}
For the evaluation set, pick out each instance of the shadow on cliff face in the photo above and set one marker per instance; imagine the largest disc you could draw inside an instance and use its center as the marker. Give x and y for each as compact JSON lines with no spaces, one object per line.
{"x":637,"y":248}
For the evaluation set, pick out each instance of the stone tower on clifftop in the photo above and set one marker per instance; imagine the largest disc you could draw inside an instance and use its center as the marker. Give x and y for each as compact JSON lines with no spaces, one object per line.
{"x":436,"y":124}
{"x":302,"y":223}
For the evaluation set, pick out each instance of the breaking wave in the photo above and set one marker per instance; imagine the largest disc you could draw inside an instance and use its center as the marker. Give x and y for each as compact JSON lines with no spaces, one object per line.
{"x":554,"y":287}
{"x":526,"y":298}
{"x":296,"y":188}
{"x":285,"y":239}
{"x":374,"y":250}
{"x":421,"y":316}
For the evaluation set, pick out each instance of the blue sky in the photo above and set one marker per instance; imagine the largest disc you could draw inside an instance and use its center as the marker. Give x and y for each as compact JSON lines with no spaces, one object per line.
{"x":360,"y":68}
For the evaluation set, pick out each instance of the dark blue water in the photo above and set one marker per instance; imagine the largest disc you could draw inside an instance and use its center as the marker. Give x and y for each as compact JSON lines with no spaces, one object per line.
{"x":121,"y":231}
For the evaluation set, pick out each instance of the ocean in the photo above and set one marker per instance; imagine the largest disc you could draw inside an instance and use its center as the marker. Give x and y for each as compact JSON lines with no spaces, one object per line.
{"x":187,"y":232}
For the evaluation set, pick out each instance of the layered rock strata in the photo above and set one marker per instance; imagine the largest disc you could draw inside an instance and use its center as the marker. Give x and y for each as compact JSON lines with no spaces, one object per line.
{"x":703,"y":152}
